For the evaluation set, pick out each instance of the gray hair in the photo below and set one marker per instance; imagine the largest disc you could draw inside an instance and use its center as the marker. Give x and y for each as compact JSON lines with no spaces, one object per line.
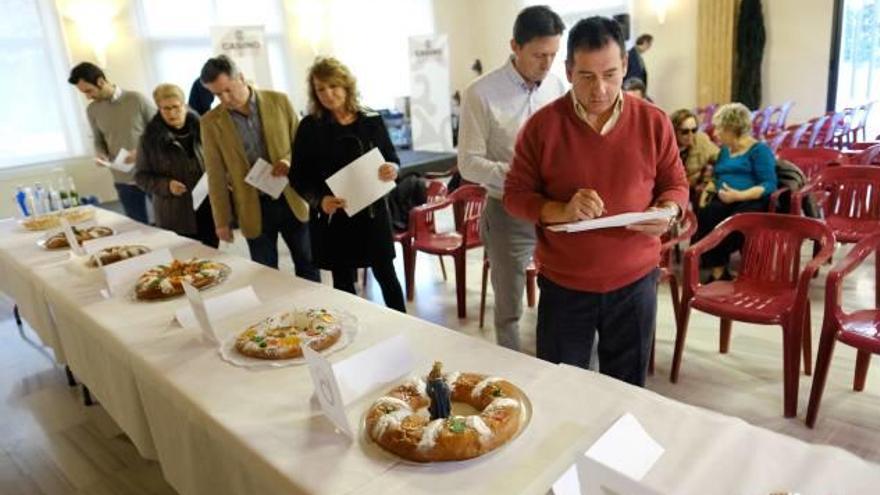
{"x":733,"y":117}
{"x":214,"y":67}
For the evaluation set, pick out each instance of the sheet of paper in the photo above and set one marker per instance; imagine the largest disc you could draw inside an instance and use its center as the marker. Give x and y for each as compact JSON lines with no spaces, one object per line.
{"x":124,"y":239}
{"x":197,"y":304}
{"x":358,"y":182}
{"x":71,"y":237}
{"x":627,"y":448}
{"x":260,"y":176}
{"x":621,"y":220}
{"x":220,"y":307}
{"x":118,"y":163}
{"x":596,"y":478}
{"x":327,"y":390}
{"x":444,"y":220}
{"x":568,"y":483}
{"x":122,"y":275}
{"x":200,"y":192}
{"x":384,"y":362}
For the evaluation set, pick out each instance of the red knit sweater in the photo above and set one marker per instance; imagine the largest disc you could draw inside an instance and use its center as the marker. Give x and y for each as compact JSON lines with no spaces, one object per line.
{"x":632,"y":167}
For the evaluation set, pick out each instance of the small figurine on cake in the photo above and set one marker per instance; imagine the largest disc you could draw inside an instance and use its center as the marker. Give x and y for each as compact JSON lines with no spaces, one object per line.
{"x":438,"y":392}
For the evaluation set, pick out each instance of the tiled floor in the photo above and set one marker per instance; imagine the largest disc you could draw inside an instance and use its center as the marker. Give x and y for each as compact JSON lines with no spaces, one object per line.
{"x":51,"y":444}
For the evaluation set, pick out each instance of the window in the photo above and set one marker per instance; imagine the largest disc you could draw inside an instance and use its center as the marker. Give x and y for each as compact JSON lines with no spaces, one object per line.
{"x":36,"y":123}
{"x":858,"y":70}
{"x":178,"y":38}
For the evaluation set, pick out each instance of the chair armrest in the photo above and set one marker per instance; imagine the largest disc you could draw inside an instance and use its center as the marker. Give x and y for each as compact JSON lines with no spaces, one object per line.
{"x":774,"y":198}
{"x":691,"y":268}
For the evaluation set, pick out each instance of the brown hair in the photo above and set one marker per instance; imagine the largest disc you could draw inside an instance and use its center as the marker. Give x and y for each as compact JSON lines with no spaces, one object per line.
{"x":679,"y":116}
{"x":330,"y":71}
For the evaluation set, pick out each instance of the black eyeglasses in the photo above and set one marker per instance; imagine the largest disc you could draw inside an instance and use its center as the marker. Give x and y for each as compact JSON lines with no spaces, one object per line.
{"x":688,"y":130}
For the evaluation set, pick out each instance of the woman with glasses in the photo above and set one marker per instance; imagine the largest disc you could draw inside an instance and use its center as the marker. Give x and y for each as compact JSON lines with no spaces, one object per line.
{"x":170,"y":164}
{"x":697,"y":151}
{"x":743,"y":179}
{"x":336,"y":132}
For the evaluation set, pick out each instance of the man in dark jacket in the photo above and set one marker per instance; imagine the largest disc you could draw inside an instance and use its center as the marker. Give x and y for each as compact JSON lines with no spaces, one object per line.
{"x":635,"y":66}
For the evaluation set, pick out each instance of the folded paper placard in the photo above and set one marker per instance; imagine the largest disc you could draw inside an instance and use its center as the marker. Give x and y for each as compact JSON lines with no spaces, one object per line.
{"x":220,"y":307}
{"x":327,"y":390}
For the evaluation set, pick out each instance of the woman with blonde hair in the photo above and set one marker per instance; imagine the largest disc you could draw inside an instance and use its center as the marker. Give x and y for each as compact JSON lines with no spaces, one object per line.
{"x":170,"y":164}
{"x":744,"y":177}
{"x":336,"y":132}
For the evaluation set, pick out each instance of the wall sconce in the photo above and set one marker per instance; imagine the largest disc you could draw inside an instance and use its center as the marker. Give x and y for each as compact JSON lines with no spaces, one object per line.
{"x":660,"y":7}
{"x":94,"y":23}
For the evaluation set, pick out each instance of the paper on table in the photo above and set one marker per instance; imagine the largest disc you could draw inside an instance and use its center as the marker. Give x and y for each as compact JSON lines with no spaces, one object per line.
{"x":627,"y":448}
{"x":386,"y":361}
{"x":260,"y":176}
{"x":358,"y":182}
{"x":220,"y":307}
{"x":200,"y":192}
{"x":621,"y":220}
{"x":118,"y":163}
{"x":327,"y":389}
{"x":596,"y":478}
{"x":71,"y":237}
{"x":122,"y":274}
{"x":126,"y":238}
{"x":200,"y":312}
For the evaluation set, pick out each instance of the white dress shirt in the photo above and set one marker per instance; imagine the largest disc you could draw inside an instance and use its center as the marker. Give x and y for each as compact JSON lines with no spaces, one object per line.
{"x":493,"y":109}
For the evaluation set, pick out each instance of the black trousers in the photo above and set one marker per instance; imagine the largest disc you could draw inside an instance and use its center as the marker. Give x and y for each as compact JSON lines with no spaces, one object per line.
{"x":713,"y":214}
{"x":278,"y":219}
{"x":207,"y":233}
{"x":568,"y":321}
{"x":344,"y":279}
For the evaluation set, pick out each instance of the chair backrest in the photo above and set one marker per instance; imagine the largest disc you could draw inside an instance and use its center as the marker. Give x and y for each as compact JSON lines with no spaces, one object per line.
{"x":862,"y":115}
{"x":798,"y":134}
{"x":811,"y":160}
{"x":468,"y":203}
{"x":435,"y":191}
{"x":771,"y":253}
{"x":783,"y":114}
{"x":775,"y":140}
{"x":761,"y":121}
{"x":870,"y":156}
{"x":816,"y":131}
{"x":851,"y":192}
{"x":773,"y":121}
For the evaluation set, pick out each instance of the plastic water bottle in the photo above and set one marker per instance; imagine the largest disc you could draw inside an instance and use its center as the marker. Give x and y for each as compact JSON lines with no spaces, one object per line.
{"x":21,"y":200}
{"x":41,"y":199}
{"x":55,"y":202}
{"x":72,"y":195}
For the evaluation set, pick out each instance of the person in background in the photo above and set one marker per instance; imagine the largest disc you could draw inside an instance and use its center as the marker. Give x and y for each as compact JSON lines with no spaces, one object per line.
{"x":494,"y":107}
{"x":696,"y":150}
{"x":635,"y":87}
{"x":593,"y":152}
{"x":744,"y":177}
{"x":336,"y":132}
{"x":635,"y":66}
{"x":117,"y":118}
{"x":248,"y":125}
{"x":200,"y":98}
{"x":170,"y":164}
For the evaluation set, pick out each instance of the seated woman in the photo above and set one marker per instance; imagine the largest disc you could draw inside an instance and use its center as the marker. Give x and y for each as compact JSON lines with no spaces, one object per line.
{"x":744,"y":178}
{"x":336,"y":132}
{"x":170,"y":164}
{"x":697,"y":151}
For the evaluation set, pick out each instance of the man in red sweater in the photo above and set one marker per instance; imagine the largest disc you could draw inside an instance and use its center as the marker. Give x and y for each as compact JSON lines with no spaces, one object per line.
{"x":592,"y":152}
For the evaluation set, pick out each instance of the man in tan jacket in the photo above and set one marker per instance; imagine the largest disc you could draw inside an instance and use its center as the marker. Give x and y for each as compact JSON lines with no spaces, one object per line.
{"x":250,"y":124}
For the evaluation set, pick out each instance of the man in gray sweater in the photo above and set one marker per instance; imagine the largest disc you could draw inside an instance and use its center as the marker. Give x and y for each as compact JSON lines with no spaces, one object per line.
{"x":117,"y":118}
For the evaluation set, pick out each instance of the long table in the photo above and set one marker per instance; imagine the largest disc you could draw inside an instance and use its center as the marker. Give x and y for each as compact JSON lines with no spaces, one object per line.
{"x":219,"y":429}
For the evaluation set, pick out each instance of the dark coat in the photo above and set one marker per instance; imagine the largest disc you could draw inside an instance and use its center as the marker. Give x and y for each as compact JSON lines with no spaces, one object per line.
{"x":160,"y":159}
{"x":321,"y":148}
{"x":635,"y":67}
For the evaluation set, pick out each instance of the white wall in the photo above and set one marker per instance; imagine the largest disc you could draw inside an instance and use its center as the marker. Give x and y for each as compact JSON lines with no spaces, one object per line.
{"x":797,"y":55}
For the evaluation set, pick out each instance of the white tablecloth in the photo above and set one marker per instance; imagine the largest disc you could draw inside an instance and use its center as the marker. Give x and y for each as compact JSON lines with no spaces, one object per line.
{"x":220,"y":429}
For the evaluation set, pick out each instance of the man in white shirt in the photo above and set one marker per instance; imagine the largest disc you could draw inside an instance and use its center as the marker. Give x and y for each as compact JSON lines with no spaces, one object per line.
{"x":494,"y":107}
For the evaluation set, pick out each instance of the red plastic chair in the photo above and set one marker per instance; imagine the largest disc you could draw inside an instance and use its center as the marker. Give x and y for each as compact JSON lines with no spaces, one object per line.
{"x":860,"y":329}
{"x":686,"y":229}
{"x":436,"y":192}
{"x":870,"y":156}
{"x":531,"y":286}
{"x":798,"y":135}
{"x":810,"y":161}
{"x":761,"y":121}
{"x":848,"y":198}
{"x":468,"y":203}
{"x":771,"y":288}
{"x":776,"y":138}
{"x":816,"y":131}
{"x":860,"y":120}
{"x":778,"y":123}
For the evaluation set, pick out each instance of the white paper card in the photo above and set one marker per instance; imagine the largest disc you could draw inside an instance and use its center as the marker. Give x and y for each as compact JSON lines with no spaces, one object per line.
{"x":220,"y":307}
{"x":627,"y":448}
{"x":71,"y":237}
{"x":596,"y":478}
{"x":197,"y":304}
{"x":122,"y":274}
{"x":621,"y":220}
{"x":118,"y":163}
{"x":200,"y":192}
{"x":444,"y":220}
{"x":126,"y":238}
{"x":377,"y":365}
{"x":568,"y":483}
{"x":358,"y":182}
{"x":260,"y":176}
{"x":327,"y":389}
